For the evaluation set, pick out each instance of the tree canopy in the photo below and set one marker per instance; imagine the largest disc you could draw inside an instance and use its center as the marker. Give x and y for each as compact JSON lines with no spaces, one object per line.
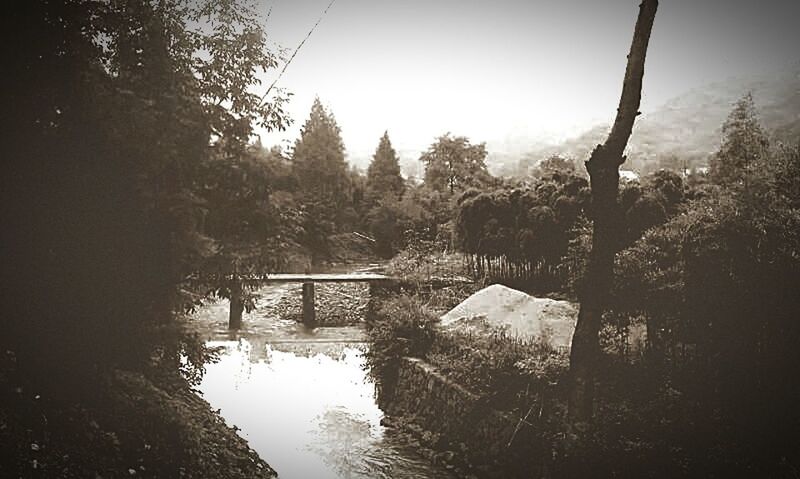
{"x":119,"y":108}
{"x":744,"y":143}
{"x":318,"y":159}
{"x":383,"y":173}
{"x":453,"y":164}
{"x":323,"y":180}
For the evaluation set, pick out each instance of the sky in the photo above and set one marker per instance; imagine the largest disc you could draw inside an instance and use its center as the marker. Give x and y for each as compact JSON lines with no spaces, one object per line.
{"x":507,"y":72}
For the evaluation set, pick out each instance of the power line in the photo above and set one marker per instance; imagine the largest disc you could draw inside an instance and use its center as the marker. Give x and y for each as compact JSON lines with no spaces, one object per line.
{"x":263,"y":98}
{"x":269,"y":12}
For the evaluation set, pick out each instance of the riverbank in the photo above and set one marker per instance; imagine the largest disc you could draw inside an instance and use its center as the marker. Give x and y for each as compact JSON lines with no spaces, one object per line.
{"x":134,"y":426}
{"x":486,"y":401}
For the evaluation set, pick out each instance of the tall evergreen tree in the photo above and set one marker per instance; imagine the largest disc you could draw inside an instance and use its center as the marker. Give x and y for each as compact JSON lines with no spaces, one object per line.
{"x":744,"y":143}
{"x":318,"y":162}
{"x":320,"y":170}
{"x":383,"y":174}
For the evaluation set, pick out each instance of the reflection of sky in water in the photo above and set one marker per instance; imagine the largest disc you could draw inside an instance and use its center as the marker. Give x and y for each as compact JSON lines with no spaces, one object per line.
{"x":309,"y":410}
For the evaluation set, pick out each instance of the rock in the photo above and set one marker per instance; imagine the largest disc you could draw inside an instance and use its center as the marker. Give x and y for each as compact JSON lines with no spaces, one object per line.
{"x":517,"y":313}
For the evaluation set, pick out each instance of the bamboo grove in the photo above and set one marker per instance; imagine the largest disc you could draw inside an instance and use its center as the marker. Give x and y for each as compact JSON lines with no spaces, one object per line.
{"x":535,"y":232}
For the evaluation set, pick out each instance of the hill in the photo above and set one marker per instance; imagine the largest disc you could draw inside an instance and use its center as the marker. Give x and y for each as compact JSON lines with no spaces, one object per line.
{"x":686,"y":129}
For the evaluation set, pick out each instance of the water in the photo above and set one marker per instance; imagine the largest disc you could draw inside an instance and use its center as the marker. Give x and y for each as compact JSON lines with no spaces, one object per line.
{"x":302,"y":398}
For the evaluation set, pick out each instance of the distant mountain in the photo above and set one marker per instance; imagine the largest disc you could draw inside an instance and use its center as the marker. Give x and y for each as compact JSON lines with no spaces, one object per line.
{"x":687,"y":128}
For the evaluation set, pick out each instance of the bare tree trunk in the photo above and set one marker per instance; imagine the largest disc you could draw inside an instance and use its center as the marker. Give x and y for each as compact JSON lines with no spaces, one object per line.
{"x":603,"y":168}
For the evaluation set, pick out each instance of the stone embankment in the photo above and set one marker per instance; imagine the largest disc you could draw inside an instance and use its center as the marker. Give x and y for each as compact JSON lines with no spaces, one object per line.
{"x":467,"y":433}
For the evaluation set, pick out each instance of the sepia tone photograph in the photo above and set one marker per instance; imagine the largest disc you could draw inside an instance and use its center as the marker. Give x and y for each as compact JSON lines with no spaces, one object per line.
{"x":380,"y":239}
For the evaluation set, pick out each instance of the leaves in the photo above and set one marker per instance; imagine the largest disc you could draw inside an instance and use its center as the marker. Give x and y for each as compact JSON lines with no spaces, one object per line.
{"x":452,"y":165}
{"x":383,"y":174}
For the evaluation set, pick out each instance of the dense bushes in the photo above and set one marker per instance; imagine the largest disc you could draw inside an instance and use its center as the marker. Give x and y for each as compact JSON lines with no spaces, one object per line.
{"x":710,"y":266}
{"x":118,"y":129}
{"x":520,"y":232}
{"x":511,"y":371}
{"x":401,"y":327}
{"x":536,"y":237}
{"x":716,"y":286}
{"x":520,"y":378}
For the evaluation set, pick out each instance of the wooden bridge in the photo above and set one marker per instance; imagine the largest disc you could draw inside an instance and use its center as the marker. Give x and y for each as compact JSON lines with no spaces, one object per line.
{"x":308,"y":280}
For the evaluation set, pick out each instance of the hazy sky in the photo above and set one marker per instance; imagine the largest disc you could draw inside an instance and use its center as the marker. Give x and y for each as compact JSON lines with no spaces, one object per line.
{"x":508,"y":69}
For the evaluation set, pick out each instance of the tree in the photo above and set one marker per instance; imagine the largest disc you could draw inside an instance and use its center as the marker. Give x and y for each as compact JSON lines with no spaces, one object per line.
{"x":553,"y":164}
{"x":383,"y":173}
{"x":603,"y":167}
{"x":452,"y":163}
{"x":249,"y":230}
{"x":721,"y":276}
{"x":744,"y":144}
{"x":318,"y":164}
{"x":318,"y":159}
{"x":234,"y":188}
{"x":119,"y":106}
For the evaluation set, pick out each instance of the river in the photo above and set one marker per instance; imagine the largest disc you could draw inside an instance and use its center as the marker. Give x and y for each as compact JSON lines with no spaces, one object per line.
{"x":302,"y":398}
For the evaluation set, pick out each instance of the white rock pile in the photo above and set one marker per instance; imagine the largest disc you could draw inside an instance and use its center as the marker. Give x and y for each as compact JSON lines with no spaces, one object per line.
{"x":517,"y":313}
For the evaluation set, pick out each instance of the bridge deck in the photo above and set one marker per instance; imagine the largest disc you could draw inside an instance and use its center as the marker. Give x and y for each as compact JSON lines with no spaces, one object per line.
{"x":325,"y":278}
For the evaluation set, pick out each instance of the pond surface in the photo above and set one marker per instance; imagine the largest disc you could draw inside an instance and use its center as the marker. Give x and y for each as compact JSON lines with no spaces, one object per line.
{"x":302,"y":398}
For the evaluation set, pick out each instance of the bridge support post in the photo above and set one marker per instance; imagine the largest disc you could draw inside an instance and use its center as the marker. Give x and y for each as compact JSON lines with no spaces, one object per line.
{"x":236,"y":308}
{"x":309,"y":314}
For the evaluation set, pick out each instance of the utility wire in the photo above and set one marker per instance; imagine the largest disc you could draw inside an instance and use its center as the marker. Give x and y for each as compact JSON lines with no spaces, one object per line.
{"x":263,"y":98}
{"x":269,"y":12}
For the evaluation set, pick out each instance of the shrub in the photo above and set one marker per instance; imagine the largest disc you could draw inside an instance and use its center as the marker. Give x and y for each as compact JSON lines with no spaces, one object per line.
{"x":512,"y":371}
{"x":402,"y":326}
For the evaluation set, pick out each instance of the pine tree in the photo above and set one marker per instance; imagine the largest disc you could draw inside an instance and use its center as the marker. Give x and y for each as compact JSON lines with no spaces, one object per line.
{"x":383,"y":174}
{"x":320,"y":170}
{"x":318,"y":162}
{"x":744,"y":144}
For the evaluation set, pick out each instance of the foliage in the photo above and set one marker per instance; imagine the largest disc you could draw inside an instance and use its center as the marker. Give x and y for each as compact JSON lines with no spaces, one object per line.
{"x":383,"y":174}
{"x":512,"y":371}
{"x":385,"y":223}
{"x":452,"y":165}
{"x":318,"y":161}
{"x":384,"y":188}
{"x":710,"y":269}
{"x":506,"y":368}
{"x":133,"y":426}
{"x":715,"y":287}
{"x":426,"y":214}
{"x":121,"y":108}
{"x":249,"y":231}
{"x":402,"y":327}
{"x":424,"y":260}
{"x":325,"y":187}
{"x":521,"y":232}
{"x":552,"y":165}
{"x":744,"y":144}
{"x":644,"y":204}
